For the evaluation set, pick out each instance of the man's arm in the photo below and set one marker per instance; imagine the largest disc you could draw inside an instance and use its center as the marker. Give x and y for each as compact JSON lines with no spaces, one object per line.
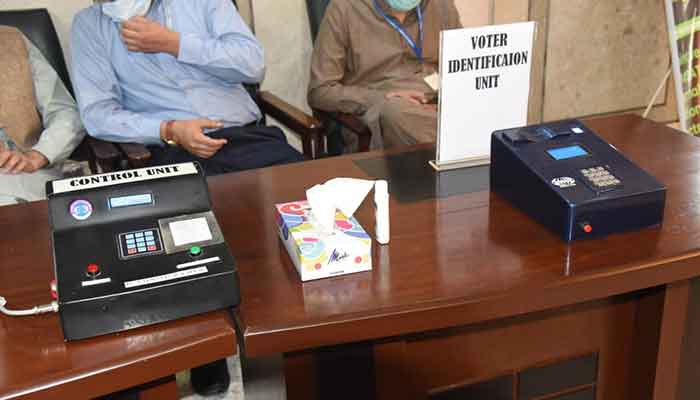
{"x":326,"y":92}
{"x":229,"y":51}
{"x":98,"y":91}
{"x":63,"y":130}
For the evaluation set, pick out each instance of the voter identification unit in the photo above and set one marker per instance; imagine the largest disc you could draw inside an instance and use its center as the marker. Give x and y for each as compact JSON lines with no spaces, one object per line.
{"x":572,"y":181}
{"x":135,"y":248}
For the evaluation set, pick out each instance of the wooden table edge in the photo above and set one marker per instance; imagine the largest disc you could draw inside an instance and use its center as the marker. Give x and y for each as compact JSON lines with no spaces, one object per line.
{"x":260,"y":341}
{"x":120,"y":375}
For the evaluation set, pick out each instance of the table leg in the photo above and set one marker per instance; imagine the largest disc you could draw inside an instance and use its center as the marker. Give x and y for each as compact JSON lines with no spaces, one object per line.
{"x":673,"y":323}
{"x":300,"y":376}
{"x":344,"y":372}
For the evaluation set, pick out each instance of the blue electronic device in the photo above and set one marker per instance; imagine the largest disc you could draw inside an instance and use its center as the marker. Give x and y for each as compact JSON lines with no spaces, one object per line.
{"x":572,"y":181}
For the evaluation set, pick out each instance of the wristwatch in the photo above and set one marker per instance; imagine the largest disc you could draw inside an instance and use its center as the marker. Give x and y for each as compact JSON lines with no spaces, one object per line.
{"x":168,"y":134}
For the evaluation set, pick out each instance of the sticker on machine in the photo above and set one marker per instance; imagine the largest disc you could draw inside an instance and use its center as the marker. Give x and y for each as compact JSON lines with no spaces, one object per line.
{"x":190,"y":231}
{"x":564,"y":182}
{"x":164,"y":278}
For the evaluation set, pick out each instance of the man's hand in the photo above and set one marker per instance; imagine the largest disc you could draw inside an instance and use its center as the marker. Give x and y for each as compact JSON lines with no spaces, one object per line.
{"x":146,"y":36}
{"x":15,"y":162}
{"x":190,"y":135}
{"x":413,"y":96}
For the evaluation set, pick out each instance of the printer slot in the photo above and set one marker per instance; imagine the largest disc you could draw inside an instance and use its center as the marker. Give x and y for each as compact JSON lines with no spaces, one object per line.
{"x":516,"y":137}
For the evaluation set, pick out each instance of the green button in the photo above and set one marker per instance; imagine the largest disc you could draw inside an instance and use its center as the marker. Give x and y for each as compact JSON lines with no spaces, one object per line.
{"x":195,"y":250}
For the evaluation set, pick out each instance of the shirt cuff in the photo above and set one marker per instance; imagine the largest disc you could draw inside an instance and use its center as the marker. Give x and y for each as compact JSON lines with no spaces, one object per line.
{"x":152,"y":129}
{"x":48,"y":149}
{"x":191,"y":47}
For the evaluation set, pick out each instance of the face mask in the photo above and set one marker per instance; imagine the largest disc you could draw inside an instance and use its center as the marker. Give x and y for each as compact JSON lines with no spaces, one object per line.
{"x":403,"y":5}
{"x":122,"y":10}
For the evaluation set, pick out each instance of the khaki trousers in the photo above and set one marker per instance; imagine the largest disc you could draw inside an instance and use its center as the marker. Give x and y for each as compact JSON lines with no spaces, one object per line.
{"x":398,"y":122}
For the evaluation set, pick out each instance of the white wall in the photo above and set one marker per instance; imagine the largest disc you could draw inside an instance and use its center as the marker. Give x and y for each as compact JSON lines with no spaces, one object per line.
{"x":283,"y":28}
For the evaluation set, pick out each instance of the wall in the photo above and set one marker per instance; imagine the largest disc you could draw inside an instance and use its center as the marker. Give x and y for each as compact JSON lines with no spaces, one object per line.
{"x":593,"y":57}
{"x":283,"y":28}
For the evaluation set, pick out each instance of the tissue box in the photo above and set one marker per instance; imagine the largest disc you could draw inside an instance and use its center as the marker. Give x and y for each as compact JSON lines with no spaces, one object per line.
{"x":315,"y":254}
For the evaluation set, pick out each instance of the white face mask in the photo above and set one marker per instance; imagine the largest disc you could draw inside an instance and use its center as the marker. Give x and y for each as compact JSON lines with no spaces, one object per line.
{"x":123,"y":10}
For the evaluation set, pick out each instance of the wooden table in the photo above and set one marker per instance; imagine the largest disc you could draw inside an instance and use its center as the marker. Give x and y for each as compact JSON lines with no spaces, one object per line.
{"x":35,"y":362}
{"x":471,"y":297}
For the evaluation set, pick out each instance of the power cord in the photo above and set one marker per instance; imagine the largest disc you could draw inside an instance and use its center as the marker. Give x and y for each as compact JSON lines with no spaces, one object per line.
{"x":36,"y":310}
{"x":657,"y":93}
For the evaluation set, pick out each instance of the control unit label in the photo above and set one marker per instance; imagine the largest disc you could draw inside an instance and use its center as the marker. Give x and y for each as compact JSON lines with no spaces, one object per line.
{"x":116,"y":178}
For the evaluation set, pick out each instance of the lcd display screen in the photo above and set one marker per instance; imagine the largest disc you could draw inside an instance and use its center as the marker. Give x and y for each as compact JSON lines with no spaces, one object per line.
{"x":130,"y":201}
{"x":564,"y":153}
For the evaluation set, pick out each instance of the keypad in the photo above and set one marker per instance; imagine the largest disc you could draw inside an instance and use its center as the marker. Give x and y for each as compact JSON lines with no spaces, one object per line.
{"x":600,"y":178}
{"x":140,"y":243}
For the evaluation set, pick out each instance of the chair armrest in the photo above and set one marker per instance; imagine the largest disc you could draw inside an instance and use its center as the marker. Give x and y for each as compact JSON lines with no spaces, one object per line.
{"x":136,"y":154}
{"x":102,"y":153}
{"x":310,"y":129}
{"x":292,"y":117}
{"x":351,"y":122}
{"x":101,"y":149}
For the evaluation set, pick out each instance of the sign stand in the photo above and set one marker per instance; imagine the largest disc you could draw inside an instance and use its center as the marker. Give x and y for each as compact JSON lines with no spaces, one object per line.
{"x":458,"y":164}
{"x":484,"y":87}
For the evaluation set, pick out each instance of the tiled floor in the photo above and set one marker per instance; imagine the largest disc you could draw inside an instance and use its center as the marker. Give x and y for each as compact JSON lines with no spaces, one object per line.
{"x":258,"y":379}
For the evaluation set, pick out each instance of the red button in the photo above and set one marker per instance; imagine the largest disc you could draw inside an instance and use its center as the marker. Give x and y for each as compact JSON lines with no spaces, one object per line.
{"x":131,"y":251}
{"x":587,"y":228}
{"x":151,"y":248}
{"x":93,"y":268}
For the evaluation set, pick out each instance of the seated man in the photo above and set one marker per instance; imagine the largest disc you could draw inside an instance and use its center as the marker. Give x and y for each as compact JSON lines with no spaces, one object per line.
{"x":370,"y":59}
{"x":157,"y":72}
{"x":39,"y":122}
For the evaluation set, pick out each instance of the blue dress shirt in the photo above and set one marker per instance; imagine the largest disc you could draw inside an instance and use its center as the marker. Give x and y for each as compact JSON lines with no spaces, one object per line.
{"x":124,"y":96}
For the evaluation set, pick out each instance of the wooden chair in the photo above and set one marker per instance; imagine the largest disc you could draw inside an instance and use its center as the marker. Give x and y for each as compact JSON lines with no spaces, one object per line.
{"x":37,"y":26}
{"x":335,"y":121}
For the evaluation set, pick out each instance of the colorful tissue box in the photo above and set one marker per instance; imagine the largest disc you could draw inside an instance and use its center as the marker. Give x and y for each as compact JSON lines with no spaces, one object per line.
{"x":315,"y":254}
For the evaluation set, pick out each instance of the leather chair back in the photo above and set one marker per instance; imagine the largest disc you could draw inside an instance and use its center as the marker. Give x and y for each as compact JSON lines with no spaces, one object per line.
{"x":37,"y":26}
{"x":316,"y":9}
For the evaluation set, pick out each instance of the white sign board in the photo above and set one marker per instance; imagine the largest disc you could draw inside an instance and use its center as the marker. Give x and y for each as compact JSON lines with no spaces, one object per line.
{"x":484,"y":87}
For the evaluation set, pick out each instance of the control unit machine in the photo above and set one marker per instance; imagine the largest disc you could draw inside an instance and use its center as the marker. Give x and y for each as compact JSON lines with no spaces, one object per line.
{"x":138,"y":247}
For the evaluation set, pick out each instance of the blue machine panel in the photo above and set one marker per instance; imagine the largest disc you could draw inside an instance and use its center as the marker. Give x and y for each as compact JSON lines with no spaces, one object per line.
{"x":130,"y":201}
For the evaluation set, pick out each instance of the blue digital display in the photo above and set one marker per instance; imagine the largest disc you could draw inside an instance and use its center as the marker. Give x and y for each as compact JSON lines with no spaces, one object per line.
{"x":564,"y":153}
{"x":129,"y":201}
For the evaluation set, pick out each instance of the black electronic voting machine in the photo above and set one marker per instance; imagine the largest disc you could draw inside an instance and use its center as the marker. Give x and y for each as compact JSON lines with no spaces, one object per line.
{"x":133,"y":248}
{"x":572,"y":181}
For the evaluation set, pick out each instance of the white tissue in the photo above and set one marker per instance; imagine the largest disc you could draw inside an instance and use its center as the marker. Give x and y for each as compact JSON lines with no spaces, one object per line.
{"x":344,"y":194}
